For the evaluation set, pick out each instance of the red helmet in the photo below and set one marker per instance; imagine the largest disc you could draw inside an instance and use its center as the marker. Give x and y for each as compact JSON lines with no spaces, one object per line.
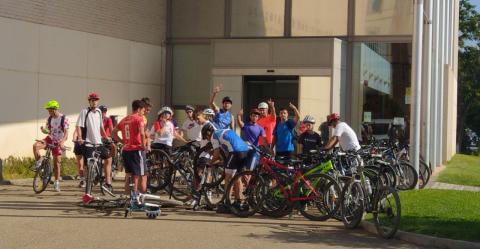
{"x":333,"y":117}
{"x":93,"y":95}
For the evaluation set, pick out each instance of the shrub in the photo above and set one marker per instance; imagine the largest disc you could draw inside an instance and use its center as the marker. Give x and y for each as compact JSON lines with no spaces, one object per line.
{"x":20,"y":167}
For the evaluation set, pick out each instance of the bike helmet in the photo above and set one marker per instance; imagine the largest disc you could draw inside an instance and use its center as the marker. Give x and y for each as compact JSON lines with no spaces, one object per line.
{"x":103,"y":108}
{"x":208,"y":111}
{"x":52,"y":104}
{"x":263,"y":105}
{"x":309,"y":119}
{"x":207,"y":130}
{"x":333,"y":117}
{"x":93,"y":95}
{"x":189,"y":108}
{"x":165,"y":109}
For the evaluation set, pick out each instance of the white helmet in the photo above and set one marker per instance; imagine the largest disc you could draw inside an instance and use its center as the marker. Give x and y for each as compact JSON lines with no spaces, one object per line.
{"x":309,"y":119}
{"x":208,"y":111}
{"x":165,"y":109}
{"x":263,"y":105}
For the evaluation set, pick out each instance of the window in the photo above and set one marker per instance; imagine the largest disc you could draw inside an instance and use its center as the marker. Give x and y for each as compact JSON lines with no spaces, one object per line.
{"x":319,"y":17}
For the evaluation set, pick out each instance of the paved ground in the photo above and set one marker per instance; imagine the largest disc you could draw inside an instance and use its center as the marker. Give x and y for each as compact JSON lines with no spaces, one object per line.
{"x":441,"y":185}
{"x":55,"y":220}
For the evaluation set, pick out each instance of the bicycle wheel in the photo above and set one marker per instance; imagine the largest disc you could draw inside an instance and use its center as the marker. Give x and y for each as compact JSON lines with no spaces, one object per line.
{"x":160,"y":171}
{"x":274,"y":203}
{"x":323,"y":200}
{"x":407,"y":175}
{"x":387,"y":212}
{"x":214,"y":194}
{"x":182,"y":185}
{"x":90,"y":179}
{"x":242,"y":194}
{"x":218,"y":171}
{"x":352,"y":204}
{"x":42,"y":177}
{"x":424,"y":173}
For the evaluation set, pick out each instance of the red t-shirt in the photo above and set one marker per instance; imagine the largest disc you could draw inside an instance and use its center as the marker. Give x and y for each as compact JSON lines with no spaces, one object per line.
{"x":107,"y":125}
{"x":268,"y":123}
{"x":131,"y":126}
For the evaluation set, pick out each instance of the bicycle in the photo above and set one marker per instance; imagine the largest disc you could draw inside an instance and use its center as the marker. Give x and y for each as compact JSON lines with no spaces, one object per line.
{"x":95,"y":173}
{"x":371,"y":195}
{"x":43,"y":174}
{"x":275,"y":189}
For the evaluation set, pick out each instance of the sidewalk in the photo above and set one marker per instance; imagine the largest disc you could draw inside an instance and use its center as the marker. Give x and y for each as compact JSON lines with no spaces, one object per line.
{"x":441,"y":185}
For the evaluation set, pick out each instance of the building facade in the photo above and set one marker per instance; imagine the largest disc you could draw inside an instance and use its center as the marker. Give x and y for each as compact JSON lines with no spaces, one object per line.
{"x":348,"y":56}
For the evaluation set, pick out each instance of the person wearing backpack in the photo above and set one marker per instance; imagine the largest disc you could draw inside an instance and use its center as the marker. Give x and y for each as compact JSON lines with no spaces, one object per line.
{"x":57,"y":133}
{"x":90,"y":132}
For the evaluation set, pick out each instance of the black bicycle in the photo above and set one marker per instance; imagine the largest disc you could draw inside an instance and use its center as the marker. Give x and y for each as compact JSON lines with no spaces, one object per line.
{"x":95,"y":175}
{"x":43,"y":173}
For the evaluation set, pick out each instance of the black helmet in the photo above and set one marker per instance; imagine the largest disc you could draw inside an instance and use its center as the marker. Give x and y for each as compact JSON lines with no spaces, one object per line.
{"x":103,"y":108}
{"x":227,"y":99}
{"x":207,"y":130}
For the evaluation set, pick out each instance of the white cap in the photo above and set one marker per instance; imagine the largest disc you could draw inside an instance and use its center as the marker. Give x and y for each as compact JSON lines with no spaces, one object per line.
{"x":263,"y":105}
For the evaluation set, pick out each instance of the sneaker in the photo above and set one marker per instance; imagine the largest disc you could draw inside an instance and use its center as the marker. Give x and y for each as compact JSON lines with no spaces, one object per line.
{"x":56,"y":186}
{"x":82,"y":183}
{"x":37,"y":164}
{"x":223,"y":209}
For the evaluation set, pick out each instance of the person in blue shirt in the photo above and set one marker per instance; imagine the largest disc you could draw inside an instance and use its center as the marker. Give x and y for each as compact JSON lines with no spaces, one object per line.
{"x":251,"y":132}
{"x":223,"y":117}
{"x":283,"y":137}
{"x":238,"y":154}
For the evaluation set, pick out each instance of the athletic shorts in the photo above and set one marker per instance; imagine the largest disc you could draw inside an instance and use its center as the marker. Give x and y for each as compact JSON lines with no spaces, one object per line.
{"x":164,"y":147}
{"x":77,"y":149}
{"x":88,"y":152}
{"x":236,"y":160}
{"x":134,"y":162}
{"x":57,"y":151}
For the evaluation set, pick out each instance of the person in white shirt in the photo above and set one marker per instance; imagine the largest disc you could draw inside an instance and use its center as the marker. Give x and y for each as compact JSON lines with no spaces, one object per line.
{"x":343,"y":134}
{"x":191,"y":127}
{"x":163,"y":131}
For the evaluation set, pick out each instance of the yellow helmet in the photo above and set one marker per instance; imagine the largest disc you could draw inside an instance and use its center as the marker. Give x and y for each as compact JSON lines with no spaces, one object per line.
{"x":52,"y":104}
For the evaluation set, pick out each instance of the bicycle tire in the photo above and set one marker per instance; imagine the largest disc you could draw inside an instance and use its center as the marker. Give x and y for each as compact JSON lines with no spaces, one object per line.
{"x":182,"y":185}
{"x":160,"y":177}
{"x":252,"y":200}
{"x":89,"y":180}
{"x":217,"y":192}
{"x":387,"y":232}
{"x":425,"y":173}
{"x":43,"y":174}
{"x":327,"y":204}
{"x":352,"y":194}
{"x":274,"y":203}
{"x":410,"y":177}
{"x":218,"y":172}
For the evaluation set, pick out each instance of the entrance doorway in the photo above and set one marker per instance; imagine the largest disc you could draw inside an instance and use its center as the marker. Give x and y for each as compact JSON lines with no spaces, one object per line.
{"x":282,"y":89}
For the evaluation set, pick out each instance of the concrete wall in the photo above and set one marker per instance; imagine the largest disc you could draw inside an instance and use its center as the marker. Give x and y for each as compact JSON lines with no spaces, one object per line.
{"x":39,"y":62}
{"x":135,"y":20}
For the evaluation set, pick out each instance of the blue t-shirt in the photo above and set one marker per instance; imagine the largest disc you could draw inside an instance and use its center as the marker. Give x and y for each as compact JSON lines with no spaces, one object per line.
{"x":252,"y":133}
{"x":229,"y":141}
{"x":223,"y":119}
{"x":284,"y":138}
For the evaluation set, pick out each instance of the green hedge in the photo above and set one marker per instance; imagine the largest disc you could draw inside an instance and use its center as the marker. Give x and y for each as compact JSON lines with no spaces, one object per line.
{"x":20,"y":167}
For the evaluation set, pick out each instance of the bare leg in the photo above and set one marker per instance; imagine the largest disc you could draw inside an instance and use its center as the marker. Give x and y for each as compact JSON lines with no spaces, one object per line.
{"x":37,"y":146}
{"x":108,"y":170}
{"x":57,"y":161}
{"x":143,"y":184}
{"x":80,"y":165}
{"x":127,"y":183}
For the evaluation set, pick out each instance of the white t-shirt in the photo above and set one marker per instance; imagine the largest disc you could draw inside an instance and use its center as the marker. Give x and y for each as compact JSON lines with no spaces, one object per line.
{"x":166,"y":137}
{"x":56,"y":132}
{"x":346,"y":136}
{"x":94,"y":125}
{"x":193,"y":129}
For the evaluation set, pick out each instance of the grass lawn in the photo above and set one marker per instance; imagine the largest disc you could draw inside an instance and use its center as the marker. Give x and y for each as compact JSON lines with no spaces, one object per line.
{"x":462,"y":170}
{"x":19,"y":168}
{"x":442,"y":213}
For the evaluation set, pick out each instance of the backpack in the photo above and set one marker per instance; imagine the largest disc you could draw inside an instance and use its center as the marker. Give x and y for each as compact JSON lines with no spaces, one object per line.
{"x":84,"y":128}
{"x":62,"y":123}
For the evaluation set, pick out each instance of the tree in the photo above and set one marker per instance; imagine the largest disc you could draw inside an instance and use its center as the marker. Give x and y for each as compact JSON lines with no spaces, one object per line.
{"x":468,"y":102}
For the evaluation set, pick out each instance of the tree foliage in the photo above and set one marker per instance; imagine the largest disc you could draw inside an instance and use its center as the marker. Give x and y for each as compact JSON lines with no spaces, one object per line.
{"x":468,"y":69}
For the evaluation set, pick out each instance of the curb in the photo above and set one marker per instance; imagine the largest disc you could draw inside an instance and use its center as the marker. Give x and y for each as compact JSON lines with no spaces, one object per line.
{"x":29,"y":180}
{"x":425,"y":240}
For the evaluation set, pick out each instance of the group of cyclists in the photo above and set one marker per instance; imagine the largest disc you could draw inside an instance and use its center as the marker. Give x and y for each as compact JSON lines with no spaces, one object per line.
{"x":212,"y":126}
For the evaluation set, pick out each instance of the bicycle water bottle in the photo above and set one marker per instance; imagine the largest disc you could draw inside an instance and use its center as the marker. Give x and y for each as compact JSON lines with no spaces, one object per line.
{"x":369,"y":186}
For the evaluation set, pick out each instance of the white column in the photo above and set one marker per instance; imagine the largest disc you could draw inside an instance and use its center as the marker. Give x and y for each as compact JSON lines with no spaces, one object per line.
{"x":441,"y":63}
{"x":434,"y":85}
{"x":416,"y":85}
{"x":427,"y":79}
